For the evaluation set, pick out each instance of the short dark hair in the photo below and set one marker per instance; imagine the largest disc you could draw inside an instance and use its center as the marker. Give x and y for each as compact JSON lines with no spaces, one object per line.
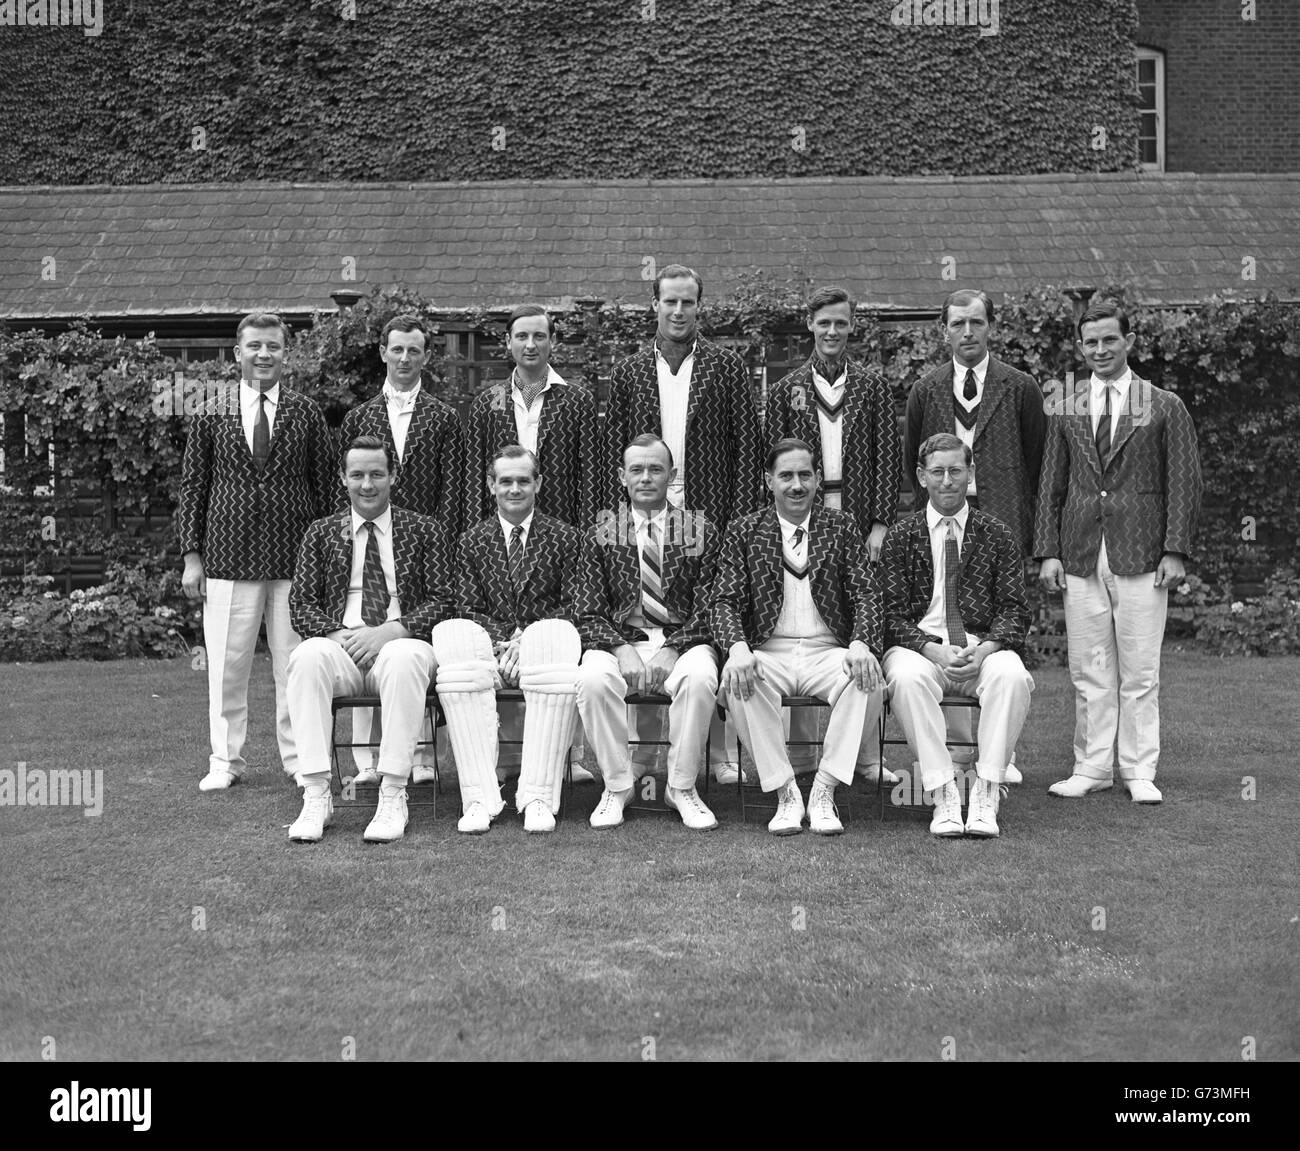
{"x":406,"y":322}
{"x":1102,"y":310}
{"x":530,"y":310}
{"x":261,"y":319}
{"x":648,"y":440}
{"x":827,"y":296}
{"x":942,"y":442}
{"x":368,"y":444}
{"x":788,"y":444}
{"x":512,"y":452}
{"x":672,"y":271}
{"x":961,"y":298}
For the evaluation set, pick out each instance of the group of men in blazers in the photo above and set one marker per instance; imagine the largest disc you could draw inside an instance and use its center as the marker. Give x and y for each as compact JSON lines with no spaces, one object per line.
{"x":527,"y":553}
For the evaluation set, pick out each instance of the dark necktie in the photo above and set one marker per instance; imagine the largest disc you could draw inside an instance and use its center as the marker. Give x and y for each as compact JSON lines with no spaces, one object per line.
{"x":515,"y":558}
{"x":967,"y":418}
{"x":1103,"y":428}
{"x":652,"y":585}
{"x":799,"y":571}
{"x":951,"y":572}
{"x":374,"y":588}
{"x":261,"y":435}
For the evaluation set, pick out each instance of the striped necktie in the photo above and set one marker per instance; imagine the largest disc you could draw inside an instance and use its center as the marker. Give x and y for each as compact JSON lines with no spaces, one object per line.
{"x":652,"y":580}
{"x":951,"y":572}
{"x":515,"y":558}
{"x":1102,"y":438}
{"x":261,"y":435}
{"x":797,"y":568}
{"x":374,"y":588}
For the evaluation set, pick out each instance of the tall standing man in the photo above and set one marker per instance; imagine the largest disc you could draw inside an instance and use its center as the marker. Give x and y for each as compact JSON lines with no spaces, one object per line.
{"x":697,"y":397}
{"x":370,"y":585}
{"x":796,"y":614}
{"x":844,"y":410}
{"x":426,"y":439}
{"x":650,"y":568}
{"x":1117,"y":508}
{"x":253,"y":478}
{"x":538,"y":409}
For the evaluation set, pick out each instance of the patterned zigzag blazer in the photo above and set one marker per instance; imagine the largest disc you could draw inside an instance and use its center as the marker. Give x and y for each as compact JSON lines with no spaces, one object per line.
{"x":1147,"y":494}
{"x":870,"y":449}
{"x":690,"y":556}
{"x":567,"y":446}
{"x":750,"y":586}
{"x":724,"y":438}
{"x":247,"y":525}
{"x":428,"y":479}
{"x":422,"y":562}
{"x":990,"y":589}
{"x":1010,"y":431}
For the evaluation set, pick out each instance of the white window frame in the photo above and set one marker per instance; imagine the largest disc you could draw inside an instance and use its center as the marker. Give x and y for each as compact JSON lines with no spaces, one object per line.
{"x":1158,"y":57}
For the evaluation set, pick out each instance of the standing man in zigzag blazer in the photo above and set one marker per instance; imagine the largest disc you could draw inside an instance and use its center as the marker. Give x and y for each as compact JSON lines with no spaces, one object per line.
{"x":1117,"y":509}
{"x":795,"y":612}
{"x":650,"y":567}
{"x":956,"y":617}
{"x":844,"y":409}
{"x":370,"y":585}
{"x":427,"y":441}
{"x":698,"y":397}
{"x":521,"y":595}
{"x":257,"y":469}
{"x":539,"y":409}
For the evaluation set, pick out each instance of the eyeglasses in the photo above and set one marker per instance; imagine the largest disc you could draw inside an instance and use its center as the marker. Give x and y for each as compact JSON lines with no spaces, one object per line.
{"x":937,"y":474}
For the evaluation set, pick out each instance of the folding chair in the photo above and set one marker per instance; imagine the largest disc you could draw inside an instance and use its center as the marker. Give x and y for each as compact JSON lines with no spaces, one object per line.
{"x":652,"y":804}
{"x":743,"y":788}
{"x":914,"y":793}
{"x":371,"y":790}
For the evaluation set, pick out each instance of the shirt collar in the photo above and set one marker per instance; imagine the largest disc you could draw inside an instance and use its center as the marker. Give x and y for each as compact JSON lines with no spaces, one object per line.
{"x":1121,"y":386}
{"x":981,"y":370}
{"x":788,"y":529}
{"x":508,"y":527}
{"x":383,"y":521}
{"x":248,"y":395}
{"x":934,"y":517}
{"x":401,"y":399}
{"x":659,"y":518}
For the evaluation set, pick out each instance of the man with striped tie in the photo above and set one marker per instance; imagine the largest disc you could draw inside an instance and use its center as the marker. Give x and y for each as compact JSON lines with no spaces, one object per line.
{"x":650,"y":566}
{"x":796,"y":613}
{"x":956,"y":617}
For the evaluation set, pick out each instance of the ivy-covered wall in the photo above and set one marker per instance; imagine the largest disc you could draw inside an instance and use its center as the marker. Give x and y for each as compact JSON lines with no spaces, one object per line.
{"x":232,"y":90}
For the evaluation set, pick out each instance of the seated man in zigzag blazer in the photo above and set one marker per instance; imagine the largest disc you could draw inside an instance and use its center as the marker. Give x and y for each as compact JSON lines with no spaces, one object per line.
{"x":955,"y":621}
{"x":369,"y":585}
{"x":796,"y":613}
{"x":650,"y":566}
{"x":520,"y":593}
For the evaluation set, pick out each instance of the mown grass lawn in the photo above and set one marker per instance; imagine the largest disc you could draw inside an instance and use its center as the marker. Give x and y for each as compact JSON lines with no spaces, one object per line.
{"x":881,"y":944}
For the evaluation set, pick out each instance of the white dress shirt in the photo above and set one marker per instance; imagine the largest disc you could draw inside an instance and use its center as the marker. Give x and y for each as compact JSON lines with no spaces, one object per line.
{"x":965,"y":434}
{"x":799,"y":618}
{"x":831,"y":434}
{"x":674,"y":403}
{"x":383,"y":536}
{"x":1118,"y":401}
{"x":528,"y":417}
{"x":936,"y":621}
{"x":248,"y":408}
{"x":400,"y":406}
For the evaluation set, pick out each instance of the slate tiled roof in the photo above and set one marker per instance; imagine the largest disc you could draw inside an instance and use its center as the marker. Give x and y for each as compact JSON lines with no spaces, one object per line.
{"x":221,"y":249}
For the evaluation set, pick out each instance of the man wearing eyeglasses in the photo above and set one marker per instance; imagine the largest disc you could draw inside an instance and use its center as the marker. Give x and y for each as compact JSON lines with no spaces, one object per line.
{"x":956,"y":618}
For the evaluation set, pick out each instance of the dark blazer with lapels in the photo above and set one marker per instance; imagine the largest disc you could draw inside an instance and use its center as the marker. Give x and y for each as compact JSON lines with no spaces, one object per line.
{"x":990,"y":589}
{"x":724,"y":438}
{"x":749,"y":589}
{"x":870,"y":450}
{"x":567,"y":447}
{"x":422,"y":563}
{"x":1146,"y":494}
{"x":429,"y":478}
{"x":689,"y":559}
{"x":1010,"y":431}
{"x":553,"y":584}
{"x":246,"y":524}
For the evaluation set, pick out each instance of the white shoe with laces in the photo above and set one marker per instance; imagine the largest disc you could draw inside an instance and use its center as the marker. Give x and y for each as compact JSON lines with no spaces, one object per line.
{"x":391,"y":818}
{"x":694,"y":811}
{"x":982,"y":816}
{"x":423,"y":773}
{"x":609,"y":811}
{"x":538,"y":817}
{"x":475,"y":820}
{"x":822,"y":816}
{"x":218,"y":779}
{"x":947,"y":812}
{"x":788,"y":819}
{"x":317,"y":814}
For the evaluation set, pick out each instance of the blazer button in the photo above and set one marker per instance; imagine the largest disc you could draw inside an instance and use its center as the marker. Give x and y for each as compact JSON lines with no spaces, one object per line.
{"x":1104,"y":494}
